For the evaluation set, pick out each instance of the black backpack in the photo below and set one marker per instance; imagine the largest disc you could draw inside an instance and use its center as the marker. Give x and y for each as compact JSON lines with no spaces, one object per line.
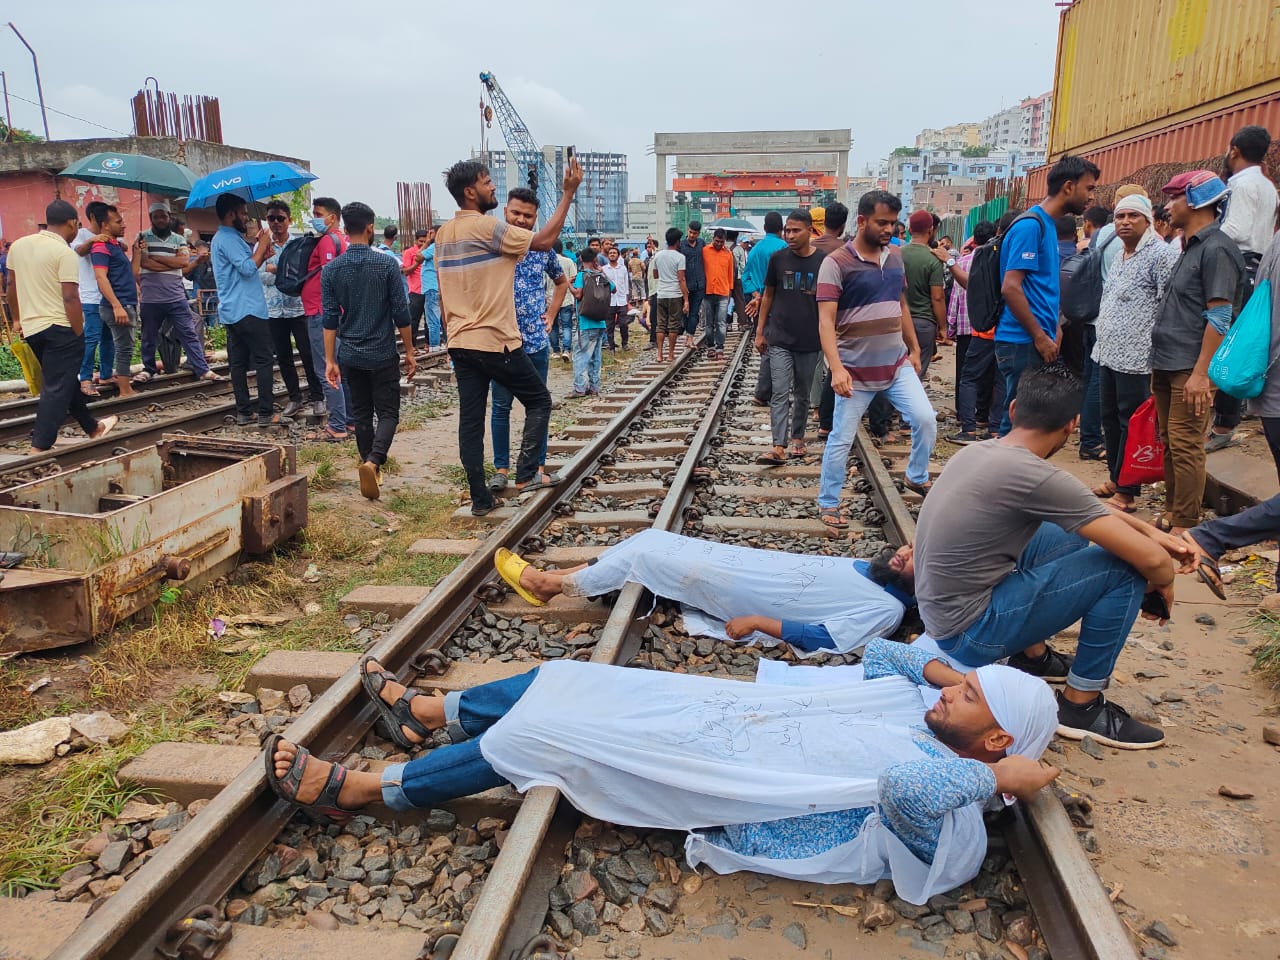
{"x":984,"y":300}
{"x":596,"y":292}
{"x":1081,"y":281}
{"x":291,"y":267}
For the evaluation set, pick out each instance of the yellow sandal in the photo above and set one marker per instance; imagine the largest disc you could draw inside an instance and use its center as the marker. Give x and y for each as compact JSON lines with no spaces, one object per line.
{"x":509,"y":567}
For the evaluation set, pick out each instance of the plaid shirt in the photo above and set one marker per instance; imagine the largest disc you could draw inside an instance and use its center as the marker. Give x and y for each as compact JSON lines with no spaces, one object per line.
{"x":958,"y":308}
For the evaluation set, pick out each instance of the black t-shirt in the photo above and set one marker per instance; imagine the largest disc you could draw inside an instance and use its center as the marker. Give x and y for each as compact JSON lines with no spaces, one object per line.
{"x":793,"y":318}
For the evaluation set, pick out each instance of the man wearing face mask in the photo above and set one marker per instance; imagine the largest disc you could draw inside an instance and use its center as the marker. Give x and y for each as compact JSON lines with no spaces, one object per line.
{"x":325,"y":212}
{"x":163,"y":297}
{"x":242,"y":308}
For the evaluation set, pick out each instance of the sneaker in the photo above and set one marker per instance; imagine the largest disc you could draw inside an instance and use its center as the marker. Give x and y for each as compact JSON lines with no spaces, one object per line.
{"x":1051,"y":666}
{"x":1108,"y":723}
{"x":1093,"y":453}
{"x":244,"y":419}
{"x":575,"y":394}
{"x":963,"y":437}
{"x":291,"y":410}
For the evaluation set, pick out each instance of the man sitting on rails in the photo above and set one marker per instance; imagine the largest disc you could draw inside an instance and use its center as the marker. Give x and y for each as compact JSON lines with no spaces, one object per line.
{"x":845,"y":783}
{"x":814,"y":603}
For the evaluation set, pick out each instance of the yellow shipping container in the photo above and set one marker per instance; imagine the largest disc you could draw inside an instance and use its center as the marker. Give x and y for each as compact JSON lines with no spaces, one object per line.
{"x":1126,"y":67}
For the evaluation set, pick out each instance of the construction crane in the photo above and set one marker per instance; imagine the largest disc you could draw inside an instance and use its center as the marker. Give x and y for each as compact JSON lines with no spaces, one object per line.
{"x":531,"y":164}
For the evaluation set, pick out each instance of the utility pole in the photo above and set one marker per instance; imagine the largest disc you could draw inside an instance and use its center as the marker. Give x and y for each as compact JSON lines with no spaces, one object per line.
{"x":44,"y":116}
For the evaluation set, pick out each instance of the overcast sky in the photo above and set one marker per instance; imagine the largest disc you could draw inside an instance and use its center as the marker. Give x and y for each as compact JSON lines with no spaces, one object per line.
{"x":372,"y":93}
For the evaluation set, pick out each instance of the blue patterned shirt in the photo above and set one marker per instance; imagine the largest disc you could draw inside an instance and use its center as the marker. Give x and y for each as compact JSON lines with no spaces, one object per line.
{"x":278,"y":305}
{"x":531,"y":296}
{"x":914,"y":797}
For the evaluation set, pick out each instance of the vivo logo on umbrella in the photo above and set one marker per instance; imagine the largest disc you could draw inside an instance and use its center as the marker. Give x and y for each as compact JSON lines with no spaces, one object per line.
{"x":112,"y":163}
{"x":223,"y":184}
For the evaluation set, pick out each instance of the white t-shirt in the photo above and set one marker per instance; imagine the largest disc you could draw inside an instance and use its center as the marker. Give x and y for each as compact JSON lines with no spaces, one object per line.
{"x":89,"y":292}
{"x":668,"y":263}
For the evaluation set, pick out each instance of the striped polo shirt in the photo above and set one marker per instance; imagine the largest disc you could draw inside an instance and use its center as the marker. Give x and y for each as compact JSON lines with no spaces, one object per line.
{"x":476,"y":258}
{"x":868,"y":294}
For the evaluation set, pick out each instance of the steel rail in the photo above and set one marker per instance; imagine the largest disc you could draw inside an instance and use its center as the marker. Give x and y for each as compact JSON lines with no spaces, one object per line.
{"x":1073,"y":911}
{"x":130,"y":438}
{"x":18,"y":416}
{"x":205,"y":859}
{"x":490,"y":925}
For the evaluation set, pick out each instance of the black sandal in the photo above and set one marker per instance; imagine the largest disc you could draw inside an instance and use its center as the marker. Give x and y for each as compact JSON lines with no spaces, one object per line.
{"x":1209,"y":574}
{"x":324,"y":808}
{"x":396,"y":715}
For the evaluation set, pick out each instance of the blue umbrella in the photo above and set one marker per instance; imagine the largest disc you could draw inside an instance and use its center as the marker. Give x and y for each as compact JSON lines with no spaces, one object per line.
{"x":250,"y":180}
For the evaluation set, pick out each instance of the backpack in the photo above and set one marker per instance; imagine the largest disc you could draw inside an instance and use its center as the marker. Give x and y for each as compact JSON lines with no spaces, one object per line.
{"x":291,"y":267}
{"x":1081,"y":281}
{"x":985,"y":301}
{"x":596,"y":294}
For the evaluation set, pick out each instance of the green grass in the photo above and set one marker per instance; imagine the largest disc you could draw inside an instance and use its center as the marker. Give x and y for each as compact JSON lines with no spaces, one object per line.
{"x":63,"y":805}
{"x":415,"y":416}
{"x":10,"y":369}
{"x":1266,"y":658}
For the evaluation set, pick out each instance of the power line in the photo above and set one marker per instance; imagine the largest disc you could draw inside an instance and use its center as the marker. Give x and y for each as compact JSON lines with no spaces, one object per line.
{"x":70,"y":116}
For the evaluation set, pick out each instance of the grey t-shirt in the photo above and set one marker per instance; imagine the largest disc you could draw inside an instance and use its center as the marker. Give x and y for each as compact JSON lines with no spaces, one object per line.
{"x":981,"y":513}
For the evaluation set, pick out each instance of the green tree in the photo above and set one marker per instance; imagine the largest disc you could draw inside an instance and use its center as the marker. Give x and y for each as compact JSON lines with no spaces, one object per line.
{"x":300,"y":206}
{"x":981,"y":150}
{"x":906,"y":151}
{"x":18,"y":135}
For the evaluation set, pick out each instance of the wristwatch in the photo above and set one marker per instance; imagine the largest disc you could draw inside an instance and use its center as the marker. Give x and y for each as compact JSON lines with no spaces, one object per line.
{"x":952,"y":261}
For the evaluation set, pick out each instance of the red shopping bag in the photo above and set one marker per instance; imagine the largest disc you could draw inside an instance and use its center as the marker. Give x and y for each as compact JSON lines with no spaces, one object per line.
{"x":1143,"y":452}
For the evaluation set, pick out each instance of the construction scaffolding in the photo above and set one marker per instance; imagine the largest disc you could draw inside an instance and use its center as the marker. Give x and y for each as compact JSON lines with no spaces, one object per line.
{"x":157,"y":114}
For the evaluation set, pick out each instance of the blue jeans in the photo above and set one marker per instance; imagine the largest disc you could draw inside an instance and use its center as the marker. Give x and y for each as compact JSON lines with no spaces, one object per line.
{"x":907,"y":394}
{"x":1060,"y":579}
{"x":95,"y":342}
{"x":587,"y":359}
{"x":696,"y":296}
{"x":500,"y":414}
{"x":431,"y":305}
{"x":717,"y":320}
{"x":562,"y":330}
{"x":337,"y":401}
{"x":459,"y":769}
{"x":1091,"y":413}
{"x":1011,"y":360}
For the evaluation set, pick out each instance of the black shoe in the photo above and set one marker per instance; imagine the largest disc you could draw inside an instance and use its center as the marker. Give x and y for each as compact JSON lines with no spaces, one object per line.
{"x":1051,"y":666}
{"x":1108,"y":723}
{"x":243,"y":419}
{"x":1093,"y":453}
{"x":963,"y":437}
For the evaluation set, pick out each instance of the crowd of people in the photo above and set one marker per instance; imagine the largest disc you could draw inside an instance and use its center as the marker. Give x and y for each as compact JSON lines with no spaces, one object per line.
{"x":1010,"y":549}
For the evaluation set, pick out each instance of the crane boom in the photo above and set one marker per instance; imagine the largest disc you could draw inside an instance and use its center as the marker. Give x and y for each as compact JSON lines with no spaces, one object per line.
{"x":527,"y":153}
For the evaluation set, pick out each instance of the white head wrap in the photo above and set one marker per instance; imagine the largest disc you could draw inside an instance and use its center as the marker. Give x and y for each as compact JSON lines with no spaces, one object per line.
{"x":1023,"y":705}
{"x":1138,"y":202}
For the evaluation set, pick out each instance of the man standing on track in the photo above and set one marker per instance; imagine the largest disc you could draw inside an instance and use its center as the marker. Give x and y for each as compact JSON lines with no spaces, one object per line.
{"x":695,"y":278}
{"x":325,"y":212}
{"x":43,"y":297}
{"x":787,"y":332}
{"x":163,"y":296}
{"x":753,"y":290}
{"x":411,"y":262}
{"x":242,"y":308}
{"x":287,"y":320}
{"x":476,"y":260}
{"x":672,"y":293}
{"x":870,"y":346}
{"x":620,"y":281}
{"x":533,"y":315}
{"x":717,"y":267}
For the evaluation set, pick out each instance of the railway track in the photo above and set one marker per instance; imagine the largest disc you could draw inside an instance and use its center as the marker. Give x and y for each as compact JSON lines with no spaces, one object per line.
{"x":179,"y":403}
{"x":671,"y":447}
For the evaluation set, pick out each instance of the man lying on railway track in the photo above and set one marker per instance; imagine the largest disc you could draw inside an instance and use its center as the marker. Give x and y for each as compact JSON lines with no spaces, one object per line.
{"x":840,"y":784}
{"x":813,"y":603}
{"x":1010,"y":550}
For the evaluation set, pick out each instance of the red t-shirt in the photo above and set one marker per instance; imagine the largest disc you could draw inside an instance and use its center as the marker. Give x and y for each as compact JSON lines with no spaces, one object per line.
{"x":330,"y":246}
{"x":413,"y":276}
